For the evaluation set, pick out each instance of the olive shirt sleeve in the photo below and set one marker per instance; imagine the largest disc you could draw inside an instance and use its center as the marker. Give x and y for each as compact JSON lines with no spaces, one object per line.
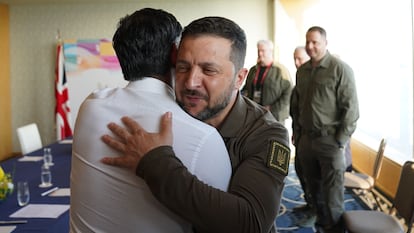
{"x":276,"y":93}
{"x":287,"y":88}
{"x":284,"y":100}
{"x":348,"y":104}
{"x":250,"y":205}
{"x":182,"y":192}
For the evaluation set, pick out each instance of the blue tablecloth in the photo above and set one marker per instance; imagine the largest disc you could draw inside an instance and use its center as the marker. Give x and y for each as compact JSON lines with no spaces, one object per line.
{"x":30,"y":171}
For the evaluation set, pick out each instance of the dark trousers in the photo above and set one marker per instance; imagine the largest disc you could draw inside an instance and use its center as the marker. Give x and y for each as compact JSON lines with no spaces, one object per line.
{"x":323,"y":166}
{"x":301,"y":176}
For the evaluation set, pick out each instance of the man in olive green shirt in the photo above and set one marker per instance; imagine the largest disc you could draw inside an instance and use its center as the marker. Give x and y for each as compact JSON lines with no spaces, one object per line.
{"x":268,"y":83}
{"x":324,"y":113}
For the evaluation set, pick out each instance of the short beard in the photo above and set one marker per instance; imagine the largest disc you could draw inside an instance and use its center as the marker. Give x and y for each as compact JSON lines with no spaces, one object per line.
{"x":210,"y":112}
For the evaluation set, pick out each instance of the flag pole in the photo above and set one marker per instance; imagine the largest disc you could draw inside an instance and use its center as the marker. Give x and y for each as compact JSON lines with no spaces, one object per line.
{"x":58,"y":37}
{"x":58,"y":42}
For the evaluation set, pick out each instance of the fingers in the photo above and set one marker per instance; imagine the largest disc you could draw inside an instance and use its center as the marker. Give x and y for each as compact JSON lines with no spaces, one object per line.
{"x":118,"y":162}
{"x":124,"y":160}
{"x":131,"y":124}
{"x":166,"y":124}
{"x":115,"y":144}
{"x":134,"y":142}
{"x":166,"y":127}
{"x":108,"y":161}
{"x":118,"y":131}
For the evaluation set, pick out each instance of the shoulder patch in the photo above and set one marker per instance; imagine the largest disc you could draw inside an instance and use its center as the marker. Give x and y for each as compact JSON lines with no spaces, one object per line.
{"x":278,"y":157}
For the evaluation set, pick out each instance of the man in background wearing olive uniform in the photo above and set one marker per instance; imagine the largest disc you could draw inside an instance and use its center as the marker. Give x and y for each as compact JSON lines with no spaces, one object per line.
{"x":268,"y":83}
{"x":209,"y":73}
{"x":324,"y":116}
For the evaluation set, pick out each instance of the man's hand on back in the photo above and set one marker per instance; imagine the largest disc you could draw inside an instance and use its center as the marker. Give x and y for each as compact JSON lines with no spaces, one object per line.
{"x":134,"y":142}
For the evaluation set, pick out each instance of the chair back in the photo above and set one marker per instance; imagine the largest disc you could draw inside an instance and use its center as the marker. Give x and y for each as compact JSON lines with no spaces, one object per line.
{"x":29,"y":138}
{"x":404,"y":198}
{"x":378,"y":159}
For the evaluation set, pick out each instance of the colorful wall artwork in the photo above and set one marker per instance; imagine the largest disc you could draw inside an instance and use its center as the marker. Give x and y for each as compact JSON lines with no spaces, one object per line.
{"x":86,"y":54}
{"x":90,"y":64}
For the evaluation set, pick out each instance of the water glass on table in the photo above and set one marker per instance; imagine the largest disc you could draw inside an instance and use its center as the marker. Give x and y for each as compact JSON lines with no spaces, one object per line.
{"x":47,"y":156}
{"x":23,"y":193}
{"x":45,"y":176}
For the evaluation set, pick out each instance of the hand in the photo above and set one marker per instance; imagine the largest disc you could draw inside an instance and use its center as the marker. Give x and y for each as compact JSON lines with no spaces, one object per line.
{"x":135,"y":142}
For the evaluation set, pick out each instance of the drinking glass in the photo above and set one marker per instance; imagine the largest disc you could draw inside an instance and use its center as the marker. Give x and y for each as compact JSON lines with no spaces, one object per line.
{"x":45,"y":176}
{"x":47,"y":156}
{"x":23,"y":193}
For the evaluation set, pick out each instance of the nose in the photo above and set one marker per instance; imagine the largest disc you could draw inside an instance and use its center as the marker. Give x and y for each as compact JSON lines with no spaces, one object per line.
{"x":194,"y":79}
{"x":309,"y":46}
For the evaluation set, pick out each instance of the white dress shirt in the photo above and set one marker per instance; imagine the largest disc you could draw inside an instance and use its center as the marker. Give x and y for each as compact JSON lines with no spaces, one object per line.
{"x":112,"y":199}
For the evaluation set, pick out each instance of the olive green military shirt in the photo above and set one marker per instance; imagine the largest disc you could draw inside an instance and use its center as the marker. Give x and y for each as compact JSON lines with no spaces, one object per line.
{"x":276,"y":90}
{"x":259,"y":152}
{"x":325,"y":99}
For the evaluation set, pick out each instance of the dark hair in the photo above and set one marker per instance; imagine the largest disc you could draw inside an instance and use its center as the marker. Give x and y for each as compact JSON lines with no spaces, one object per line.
{"x":221,"y":27}
{"x":143,"y":43}
{"x":318,"y":29}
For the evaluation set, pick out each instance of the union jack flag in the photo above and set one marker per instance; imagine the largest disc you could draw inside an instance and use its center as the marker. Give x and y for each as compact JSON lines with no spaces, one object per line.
{"x":63,"y":127}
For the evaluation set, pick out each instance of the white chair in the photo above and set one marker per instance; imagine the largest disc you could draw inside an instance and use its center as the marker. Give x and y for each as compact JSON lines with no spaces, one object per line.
{"x":29,"y":138}
{"x":365,"y":182}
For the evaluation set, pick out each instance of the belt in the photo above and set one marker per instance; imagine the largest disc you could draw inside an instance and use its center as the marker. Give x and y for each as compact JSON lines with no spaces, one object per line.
{"x":319,"y":133}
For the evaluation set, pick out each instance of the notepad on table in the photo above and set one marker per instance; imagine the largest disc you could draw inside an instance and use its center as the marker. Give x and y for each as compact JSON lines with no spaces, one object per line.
{"x":7,"y":229}
{"x":40,"y":211}
{"x":30,"y":158}
{"x":62,"y":192}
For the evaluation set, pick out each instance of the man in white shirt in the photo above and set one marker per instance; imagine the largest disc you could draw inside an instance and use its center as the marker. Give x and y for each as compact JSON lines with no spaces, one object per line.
{"x":111,"y":199}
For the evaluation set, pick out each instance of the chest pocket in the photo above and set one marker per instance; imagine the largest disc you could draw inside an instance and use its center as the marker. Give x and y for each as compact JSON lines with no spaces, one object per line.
{"x":325,"y":87}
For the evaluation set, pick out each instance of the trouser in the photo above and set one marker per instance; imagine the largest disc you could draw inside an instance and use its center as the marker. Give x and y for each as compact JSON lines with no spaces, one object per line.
{"x":323,"y":164}
{"x":299,"y":173}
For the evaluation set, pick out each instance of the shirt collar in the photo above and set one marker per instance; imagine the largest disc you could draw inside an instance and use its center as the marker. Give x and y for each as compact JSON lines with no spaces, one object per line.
{"x":233,"y":122}
{"x":325,"y":61}
{"x":153,"y":85}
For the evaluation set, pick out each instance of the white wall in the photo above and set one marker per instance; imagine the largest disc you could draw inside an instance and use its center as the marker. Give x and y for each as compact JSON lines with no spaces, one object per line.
{"x":33,"y":30}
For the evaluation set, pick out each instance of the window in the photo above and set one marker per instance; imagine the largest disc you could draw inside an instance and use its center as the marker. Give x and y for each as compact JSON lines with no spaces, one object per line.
{"x":375,"y":38}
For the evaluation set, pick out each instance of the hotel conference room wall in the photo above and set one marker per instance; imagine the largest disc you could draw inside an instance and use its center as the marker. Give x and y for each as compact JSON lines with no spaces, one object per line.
{"x":33,"y":30}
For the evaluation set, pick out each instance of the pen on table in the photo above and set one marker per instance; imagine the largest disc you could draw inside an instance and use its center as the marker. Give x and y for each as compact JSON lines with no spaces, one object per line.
{"x":49,"y":191}
{"x":13,"y":222}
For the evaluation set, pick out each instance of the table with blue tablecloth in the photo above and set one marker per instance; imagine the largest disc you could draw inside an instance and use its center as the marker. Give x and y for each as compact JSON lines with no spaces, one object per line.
{"x":30,"y":171}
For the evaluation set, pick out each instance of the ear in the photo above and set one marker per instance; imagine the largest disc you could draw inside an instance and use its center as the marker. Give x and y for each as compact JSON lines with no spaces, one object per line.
{"x":174,"y":51}
{"x":241,"y":76}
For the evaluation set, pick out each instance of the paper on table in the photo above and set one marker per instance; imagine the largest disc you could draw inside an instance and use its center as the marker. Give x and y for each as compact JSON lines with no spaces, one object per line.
{"x":66,"y":141}
{"x":30,"y":158}
{"x":7,"y":229}
{"x":40,"y":211}
{"x":60,"y":192}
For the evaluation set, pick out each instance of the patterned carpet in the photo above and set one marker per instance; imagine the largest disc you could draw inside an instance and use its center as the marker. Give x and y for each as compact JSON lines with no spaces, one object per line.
{"x":293,"y":196}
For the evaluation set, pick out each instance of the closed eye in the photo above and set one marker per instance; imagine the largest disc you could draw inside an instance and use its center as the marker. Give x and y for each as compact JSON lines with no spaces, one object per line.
{"x":210,"y":72}
{"x":210,"y":69}
{"x":182,"y":68}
